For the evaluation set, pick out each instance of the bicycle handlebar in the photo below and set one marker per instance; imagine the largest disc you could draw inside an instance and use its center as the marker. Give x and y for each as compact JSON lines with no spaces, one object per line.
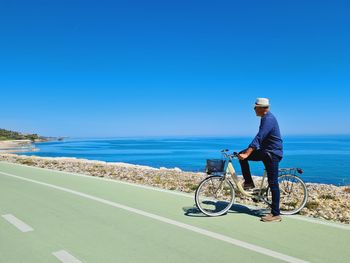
{"x":234,"y":155}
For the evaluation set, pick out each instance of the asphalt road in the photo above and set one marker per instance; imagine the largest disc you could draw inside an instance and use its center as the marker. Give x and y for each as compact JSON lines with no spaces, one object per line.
{"x":50,"y":216}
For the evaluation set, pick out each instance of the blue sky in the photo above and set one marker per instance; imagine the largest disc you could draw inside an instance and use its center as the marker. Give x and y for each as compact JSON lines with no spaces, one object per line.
{"x":160,"y":68}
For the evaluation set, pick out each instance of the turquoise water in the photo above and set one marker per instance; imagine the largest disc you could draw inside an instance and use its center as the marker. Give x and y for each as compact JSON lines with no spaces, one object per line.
{"x":324,"y":159}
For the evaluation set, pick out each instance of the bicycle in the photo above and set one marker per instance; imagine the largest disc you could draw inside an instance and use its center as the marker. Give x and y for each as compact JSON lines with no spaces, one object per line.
{"x":215,"y":195}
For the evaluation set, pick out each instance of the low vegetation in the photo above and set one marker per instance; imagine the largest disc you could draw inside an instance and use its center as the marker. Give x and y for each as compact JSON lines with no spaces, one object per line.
{"x":328,"y":196}
{"x":312,"y":205}
{"x":12,"y":135}
{"x":347,"y":189}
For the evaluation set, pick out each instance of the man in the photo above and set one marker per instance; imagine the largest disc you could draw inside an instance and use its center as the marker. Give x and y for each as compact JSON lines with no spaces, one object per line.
{"x":266,"y":147}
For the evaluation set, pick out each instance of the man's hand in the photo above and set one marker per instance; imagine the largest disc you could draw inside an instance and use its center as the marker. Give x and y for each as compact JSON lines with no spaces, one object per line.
{"x":245,"y":154}
{"x":242,"y":156}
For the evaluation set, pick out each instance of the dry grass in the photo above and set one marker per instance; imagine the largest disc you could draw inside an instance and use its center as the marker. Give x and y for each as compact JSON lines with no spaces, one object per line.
{"x":347,"y":189}
{"x":191,"y":186}
{"x":27,"y":162}
{"x":312,"y":205}
{"x":328,"y":197}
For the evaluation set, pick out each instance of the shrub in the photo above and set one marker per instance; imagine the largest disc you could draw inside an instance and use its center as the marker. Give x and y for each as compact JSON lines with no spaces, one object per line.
{"x":347,"y":189}
{"x":12,"y":135}
{"x":157,"y":179}
{"x":26,"y":162}
{"x":191,"y":186}
{"x":328,"y":197}
{"x":312,"y":205}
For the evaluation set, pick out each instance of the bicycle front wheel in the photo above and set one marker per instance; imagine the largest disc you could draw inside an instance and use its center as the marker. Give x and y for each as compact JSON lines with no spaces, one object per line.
{"x":293,"y":192}
{"x":215,"y":196}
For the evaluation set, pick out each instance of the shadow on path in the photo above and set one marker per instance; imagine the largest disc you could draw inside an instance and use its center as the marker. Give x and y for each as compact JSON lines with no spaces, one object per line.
{"x":193,"y":211}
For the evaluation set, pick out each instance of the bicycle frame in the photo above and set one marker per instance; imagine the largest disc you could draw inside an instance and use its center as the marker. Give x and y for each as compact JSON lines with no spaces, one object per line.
{"x":231,"y":173}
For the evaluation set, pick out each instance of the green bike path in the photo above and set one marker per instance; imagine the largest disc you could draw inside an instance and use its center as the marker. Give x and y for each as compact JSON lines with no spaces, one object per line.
{"x":99,"y":220}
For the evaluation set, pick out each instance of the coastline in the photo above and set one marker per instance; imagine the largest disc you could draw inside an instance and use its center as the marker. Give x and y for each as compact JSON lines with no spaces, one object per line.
{"x":13,"y":146}
{"x":328,"y":202}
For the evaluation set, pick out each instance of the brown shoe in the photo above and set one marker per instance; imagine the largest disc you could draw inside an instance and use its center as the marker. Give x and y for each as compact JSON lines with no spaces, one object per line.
{"x":271,"y":218}
{"x":248,"y":186}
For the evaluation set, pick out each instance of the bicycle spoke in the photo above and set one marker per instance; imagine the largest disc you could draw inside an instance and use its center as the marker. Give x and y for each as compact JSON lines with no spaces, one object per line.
{"x":284,"y":184}
{"x":213,"y":187}
{"x":291,"y":188}
{"x":214,"y":196}
{"x":293,"y":194}
{"x":219,"y":188}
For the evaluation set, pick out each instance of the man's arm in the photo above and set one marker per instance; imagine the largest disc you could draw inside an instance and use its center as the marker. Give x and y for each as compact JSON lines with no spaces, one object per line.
{"x":264,"y":129}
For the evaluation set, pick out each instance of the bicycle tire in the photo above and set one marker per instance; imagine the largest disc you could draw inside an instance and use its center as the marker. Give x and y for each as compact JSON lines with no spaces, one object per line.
{"x":206,"y":197}
{"x":294,"y":194}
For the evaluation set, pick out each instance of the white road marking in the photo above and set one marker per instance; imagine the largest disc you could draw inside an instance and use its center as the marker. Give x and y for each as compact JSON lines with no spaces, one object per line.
{"x":20,"y":225}
{"x":295,"y":217}
{"x":198,"y":230}
{"x":65,"y":257}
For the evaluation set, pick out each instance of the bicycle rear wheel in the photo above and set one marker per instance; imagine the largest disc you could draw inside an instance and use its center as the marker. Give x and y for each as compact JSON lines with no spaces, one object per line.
{"x":294,"y":194}
{"x":215,"y":196}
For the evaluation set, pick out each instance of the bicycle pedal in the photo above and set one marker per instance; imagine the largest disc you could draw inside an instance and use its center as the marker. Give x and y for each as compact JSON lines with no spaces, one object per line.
{"x":253,"y":191}
{"x":255,"y":200}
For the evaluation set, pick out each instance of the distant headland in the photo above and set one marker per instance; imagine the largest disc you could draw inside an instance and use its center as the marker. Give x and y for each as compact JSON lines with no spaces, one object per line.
{"x":13,"y":141}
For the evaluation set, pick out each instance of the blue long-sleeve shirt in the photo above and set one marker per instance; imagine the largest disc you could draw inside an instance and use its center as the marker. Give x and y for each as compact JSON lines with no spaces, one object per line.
{"x":269,"y":136}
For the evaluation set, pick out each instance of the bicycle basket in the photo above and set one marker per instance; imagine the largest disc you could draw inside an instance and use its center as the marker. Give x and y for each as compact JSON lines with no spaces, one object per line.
{"x":215,"y":166}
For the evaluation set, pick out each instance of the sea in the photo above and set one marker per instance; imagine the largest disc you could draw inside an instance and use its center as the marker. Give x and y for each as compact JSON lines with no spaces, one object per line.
{"x":324,"y":159}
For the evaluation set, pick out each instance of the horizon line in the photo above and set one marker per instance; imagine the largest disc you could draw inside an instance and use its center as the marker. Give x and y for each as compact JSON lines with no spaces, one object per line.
{"x":196,"y":136}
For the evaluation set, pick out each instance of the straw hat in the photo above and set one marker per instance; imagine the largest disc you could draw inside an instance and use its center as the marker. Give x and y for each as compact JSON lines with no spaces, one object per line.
{"x":262,"y":102}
